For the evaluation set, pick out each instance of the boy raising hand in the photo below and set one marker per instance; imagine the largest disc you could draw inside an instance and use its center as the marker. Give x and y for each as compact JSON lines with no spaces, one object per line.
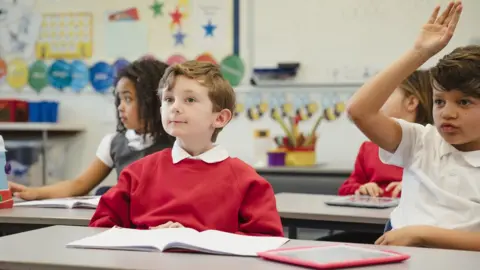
{"x":440,"y":199}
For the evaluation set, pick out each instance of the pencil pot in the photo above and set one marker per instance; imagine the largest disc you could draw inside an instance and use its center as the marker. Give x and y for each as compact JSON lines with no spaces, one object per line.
{"x":301,"y":157}
{"x":276,"y":158}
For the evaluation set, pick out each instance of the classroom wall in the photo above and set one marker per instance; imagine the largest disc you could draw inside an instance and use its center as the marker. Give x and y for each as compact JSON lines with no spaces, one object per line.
{"x":348,"y":40}
{"x":334,"y":53}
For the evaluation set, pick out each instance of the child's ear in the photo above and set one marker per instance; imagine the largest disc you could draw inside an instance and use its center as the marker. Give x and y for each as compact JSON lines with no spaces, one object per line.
{"x":412,"y":103}
{"x":222,"y":118}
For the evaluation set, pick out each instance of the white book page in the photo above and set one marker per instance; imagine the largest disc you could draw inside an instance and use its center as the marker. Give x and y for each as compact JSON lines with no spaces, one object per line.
{"x":50,"y":203}
{"x":90,"y":203}
{"x":218,"y":242}
{"x":133,"y":239}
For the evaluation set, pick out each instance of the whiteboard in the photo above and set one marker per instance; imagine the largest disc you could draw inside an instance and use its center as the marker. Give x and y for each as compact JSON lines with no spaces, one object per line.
{"x":345,"y":40}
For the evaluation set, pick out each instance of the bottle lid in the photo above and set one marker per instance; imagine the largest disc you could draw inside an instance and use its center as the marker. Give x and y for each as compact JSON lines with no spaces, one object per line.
{"x":2,"y":145}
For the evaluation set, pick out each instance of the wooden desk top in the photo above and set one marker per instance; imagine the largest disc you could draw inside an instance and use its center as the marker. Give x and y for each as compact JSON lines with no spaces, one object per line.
{"x":45,"y":249}
{"x":46,"y":216}
{"x":313,"y":207}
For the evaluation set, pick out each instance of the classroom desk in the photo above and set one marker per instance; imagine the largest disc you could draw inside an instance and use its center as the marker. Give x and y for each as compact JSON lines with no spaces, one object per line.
{"x":310,"y":211}
{"x":45,"y":249}
{"x":319,"y":179}
{"x":19,"y":219}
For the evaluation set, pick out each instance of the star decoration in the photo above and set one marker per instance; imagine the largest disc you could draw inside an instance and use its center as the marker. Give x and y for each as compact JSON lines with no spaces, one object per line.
{"x":209,"y":28}
{"x":179,"y":37}
{"x":156,"y":7}
{"x":176,"y":16}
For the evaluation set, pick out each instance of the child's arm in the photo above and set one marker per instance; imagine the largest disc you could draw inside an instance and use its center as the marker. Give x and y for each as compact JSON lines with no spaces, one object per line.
{"x":365,"y":105}
{"x":431,"y":237}
{"x":258,"y":212}
{"x":451,"y":239}
{"x":358,"y":176}
{"x":114,"y":206}
{"x":89,"y":179}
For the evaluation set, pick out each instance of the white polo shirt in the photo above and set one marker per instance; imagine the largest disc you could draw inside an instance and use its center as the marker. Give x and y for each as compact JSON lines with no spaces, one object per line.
{"x":440,"y":186}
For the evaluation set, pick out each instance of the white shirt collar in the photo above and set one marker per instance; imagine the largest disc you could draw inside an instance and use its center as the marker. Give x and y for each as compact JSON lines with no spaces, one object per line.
{"x":214,"y":155}
{"x":138,"y":141}
{"x":471,"y":157}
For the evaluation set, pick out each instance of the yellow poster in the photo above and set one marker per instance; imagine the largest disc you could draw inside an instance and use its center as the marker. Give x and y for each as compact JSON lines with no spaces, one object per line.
{"x":17,"y":76}
{"x":65,"y":36}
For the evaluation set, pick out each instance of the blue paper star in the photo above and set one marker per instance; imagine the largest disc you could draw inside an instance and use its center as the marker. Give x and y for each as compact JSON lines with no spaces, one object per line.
{"x":179,"y":36}
{"x":209,"y":28}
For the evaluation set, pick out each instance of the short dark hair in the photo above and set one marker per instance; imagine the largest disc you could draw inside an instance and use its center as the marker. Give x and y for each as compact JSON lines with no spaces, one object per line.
{"x":459,"y":70}
{"x":145,"y":74}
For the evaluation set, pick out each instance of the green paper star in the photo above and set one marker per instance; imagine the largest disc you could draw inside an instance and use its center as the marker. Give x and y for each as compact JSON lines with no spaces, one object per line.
{"x":157,"y":8}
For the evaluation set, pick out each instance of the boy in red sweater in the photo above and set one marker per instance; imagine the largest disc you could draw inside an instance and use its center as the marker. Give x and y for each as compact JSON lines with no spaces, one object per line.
{"x":411,"y":101}
{"x":195,"y":184}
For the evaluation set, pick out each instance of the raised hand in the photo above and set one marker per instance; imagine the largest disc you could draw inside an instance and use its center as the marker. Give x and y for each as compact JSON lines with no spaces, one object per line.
{"x":438,"y":31}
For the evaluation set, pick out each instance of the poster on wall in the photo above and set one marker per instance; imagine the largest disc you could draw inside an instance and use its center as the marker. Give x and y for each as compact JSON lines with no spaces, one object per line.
{"x":19,"y":28}
{"x":124,"y":37}
{"x":65,"y":36}
{"x":212,"y":24}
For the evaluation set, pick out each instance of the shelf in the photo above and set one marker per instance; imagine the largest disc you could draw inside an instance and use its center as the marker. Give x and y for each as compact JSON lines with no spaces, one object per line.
{"x":279,"y":87}
{"x":41,"y":127}
{"x":323,"y":168}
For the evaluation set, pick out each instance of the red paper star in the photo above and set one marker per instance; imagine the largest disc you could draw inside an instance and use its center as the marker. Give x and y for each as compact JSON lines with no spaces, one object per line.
{"x":176,"y":16}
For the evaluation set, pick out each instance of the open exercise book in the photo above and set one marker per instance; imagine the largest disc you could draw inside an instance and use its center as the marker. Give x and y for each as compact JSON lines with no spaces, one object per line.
{"x":210,"y":241}
{"x":73,"y":202}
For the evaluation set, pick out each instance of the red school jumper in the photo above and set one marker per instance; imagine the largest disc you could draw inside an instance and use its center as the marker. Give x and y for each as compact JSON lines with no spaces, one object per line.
{"x":227,"y":196}
{"x":369,"y":168}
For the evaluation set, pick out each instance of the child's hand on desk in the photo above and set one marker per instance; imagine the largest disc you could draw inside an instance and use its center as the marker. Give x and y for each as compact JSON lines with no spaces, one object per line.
{"x":395,"y":188}
{"x":371,"y":189}
{"x":168,"y":225}
{"x":22,"y":192}
{"x":407,"y":236}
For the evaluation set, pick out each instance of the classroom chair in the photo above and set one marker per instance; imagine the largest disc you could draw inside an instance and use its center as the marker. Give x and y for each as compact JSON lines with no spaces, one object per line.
{"x":102,"y":190}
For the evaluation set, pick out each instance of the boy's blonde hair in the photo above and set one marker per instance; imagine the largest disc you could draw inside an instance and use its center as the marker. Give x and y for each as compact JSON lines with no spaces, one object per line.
{"x":418,"y":84}
{"x":208,"y":75}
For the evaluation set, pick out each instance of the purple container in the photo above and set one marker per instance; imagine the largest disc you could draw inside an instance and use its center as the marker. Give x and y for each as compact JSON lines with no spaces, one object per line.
{"x":276,"y":158}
